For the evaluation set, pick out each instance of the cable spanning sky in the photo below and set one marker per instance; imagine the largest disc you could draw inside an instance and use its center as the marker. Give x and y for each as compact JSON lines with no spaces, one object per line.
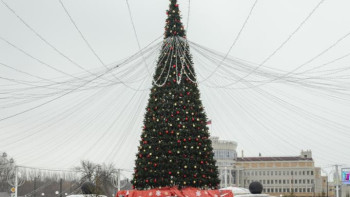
{"x":274,"y":76}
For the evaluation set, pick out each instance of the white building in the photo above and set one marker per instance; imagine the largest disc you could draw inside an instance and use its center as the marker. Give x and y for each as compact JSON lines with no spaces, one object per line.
{"x":225,"y":155}
{"x":294,"y":175}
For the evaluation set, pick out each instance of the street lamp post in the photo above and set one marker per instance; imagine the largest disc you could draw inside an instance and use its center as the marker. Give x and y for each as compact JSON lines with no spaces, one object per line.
{"x":327,"y":173}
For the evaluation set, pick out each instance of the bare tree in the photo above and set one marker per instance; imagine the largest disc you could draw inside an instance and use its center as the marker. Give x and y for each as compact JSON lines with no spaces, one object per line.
{"x":96,"y":178}
{"x":6,"y":167}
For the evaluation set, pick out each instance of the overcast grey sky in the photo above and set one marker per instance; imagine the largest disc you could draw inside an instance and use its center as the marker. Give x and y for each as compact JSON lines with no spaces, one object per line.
{"x":278,"y":119}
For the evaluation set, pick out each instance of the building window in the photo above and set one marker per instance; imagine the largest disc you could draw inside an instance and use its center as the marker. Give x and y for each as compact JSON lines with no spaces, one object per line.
{"x":268,"y":181}
{"x":279,"y":172}
{"x":284,"y":181}
{"x":287,"y":172}
{"x":312,"y":181}
{"x":268,"y":172}
{"x":304,"y":190}
{"x":303,"y":181}
{"x":300,"y":189}
{"x":264,"y":182}
{"x":312,"y":172}
{"x":308,"y":181}
{"x":303,"y":172}
{"x":307,"y":172}
{"x":279,"y":181}
{"x":308,"y":190}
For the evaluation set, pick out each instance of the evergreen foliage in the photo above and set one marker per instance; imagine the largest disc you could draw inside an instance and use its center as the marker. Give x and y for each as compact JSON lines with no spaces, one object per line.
{"x":175,"y":149}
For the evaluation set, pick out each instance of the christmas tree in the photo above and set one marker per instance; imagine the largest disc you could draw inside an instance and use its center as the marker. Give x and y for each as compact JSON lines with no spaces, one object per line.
{"x":175,"y":149}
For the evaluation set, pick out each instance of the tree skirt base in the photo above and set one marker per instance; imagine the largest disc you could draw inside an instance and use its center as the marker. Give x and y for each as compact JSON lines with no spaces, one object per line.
{"x":173,"y":191}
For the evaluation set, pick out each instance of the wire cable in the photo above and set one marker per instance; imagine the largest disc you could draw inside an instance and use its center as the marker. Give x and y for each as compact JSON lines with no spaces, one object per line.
{"x":234,"y":42}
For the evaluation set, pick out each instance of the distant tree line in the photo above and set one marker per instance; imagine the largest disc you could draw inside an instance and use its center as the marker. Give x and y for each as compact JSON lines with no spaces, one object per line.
{"x":95,"y":178}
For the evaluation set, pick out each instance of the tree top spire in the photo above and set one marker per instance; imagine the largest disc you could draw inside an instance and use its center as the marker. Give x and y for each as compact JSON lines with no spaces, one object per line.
{"x":173,"y":26}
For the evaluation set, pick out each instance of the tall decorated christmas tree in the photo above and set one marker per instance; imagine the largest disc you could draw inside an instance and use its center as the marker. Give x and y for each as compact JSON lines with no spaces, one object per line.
{"x":175,"y":149}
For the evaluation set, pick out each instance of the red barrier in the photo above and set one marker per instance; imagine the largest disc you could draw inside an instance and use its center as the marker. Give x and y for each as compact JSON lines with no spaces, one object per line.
{"x":168,"y":192}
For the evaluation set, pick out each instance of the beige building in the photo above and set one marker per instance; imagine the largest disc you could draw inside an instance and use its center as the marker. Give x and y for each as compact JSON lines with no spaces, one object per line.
{"x":284,"y":176}
{"x":225,"y":155}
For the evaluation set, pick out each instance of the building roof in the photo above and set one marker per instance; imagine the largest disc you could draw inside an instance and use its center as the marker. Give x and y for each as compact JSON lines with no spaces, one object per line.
{"x":273,"y":159}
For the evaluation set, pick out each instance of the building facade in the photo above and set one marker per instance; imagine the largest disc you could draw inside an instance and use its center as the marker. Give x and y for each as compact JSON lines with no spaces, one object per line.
{"x":286,"y":176}
{"x":225,"y":155}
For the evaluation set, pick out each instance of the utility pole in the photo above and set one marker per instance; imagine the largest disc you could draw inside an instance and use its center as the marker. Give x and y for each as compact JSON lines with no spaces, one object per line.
{"x":327,"y":186}
{"x":61,"y":183}
{"x":118,"y":180}
{"x":34,"y":191}
{"x":16,"y":181}
{"x":337,"y":180}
